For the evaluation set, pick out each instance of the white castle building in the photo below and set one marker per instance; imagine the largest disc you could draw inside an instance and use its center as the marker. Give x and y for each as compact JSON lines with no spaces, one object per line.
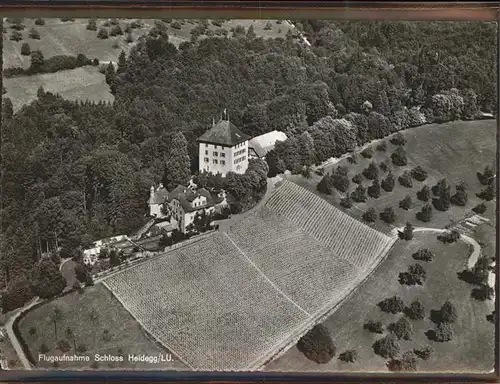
{"x":223,"y":148}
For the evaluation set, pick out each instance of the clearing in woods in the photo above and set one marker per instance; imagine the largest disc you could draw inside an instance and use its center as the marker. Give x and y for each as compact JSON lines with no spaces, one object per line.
{"x":455,"y":151}
{"x":237,"y":299}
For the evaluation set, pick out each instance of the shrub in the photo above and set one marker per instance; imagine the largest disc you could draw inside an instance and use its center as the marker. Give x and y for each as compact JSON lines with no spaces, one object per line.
{"x":63,"y":345}
{"x":425,"y":213}
{"x":479,"y":209}
{"x":398,"y":139}
{"x":442,"y":190}
{"x":102,"y":34}
{"x":176,"y":25}
{"x":340,"y":179}
{"x":402,"y":329}
{"x":387,"y":347}
{"x":388,"y":215}
{"x":444,"y":332}
{"x":95,"y":62}
{"x":66,"y":19}
{"x":407,"y":233}
{"x":405,"y":180}
{"x":346,"y":201}
{"x":487,"y":193}
{"x":39,"y":21}
{"x":116,"y":30}
{"x":352,"y":159}
{"x":392,"y":305}
{"x":418,"y":173}
{"x":32,"y":331}
{"x":374,"y":189}
{"x":317,"y":345}
{"x":367,"y":153}
{"x":407,"y":363}
{"x":370,"y":215}
{"x":358,"y":178}
{"x":268,"y":26}
{"x":25,"y":49}
{"x":17,"y":25}
{"x":405,"y":203}
{"x":483,"y":292}
{"x":492,"y":317}
{"x":358,"y":195}
{"x":424,"y":353}
{"x":399,"y":157}
{"x":388,"y":183}
{"x":424,"y":194}
{"x":384,"y":166}
{"x":448,"y":313}
{"x":106,"y":335}
{"x":459,"y":198}
{"x":415,"y":276}
{"x":34,"y":34}
{"x":91,"y":25}
{"x":371,"y":172}
{"x":449,"y":237}
{"x":415,"y":310}
{"x":137,"y":24}
{"x":16,"y":36}
{"x":423,"y":254}
{"x":82,"y":348}
{"x":487,"y":177}
{"x":349,"y":356}
{"x":374,"y":326}
{"x":43,"y":348}
{"x":382,"y":147}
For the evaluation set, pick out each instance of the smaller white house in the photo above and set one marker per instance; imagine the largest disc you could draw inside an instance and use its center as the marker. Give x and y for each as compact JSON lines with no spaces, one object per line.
{"x":157,"y":197}
{"x":259,"y":146}
{"x":90,"y":256}
{"x":165,"y":227}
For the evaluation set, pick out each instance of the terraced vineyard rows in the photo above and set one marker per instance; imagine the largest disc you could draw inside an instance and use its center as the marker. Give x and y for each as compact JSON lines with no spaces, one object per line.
{"x":346,"y":237}
{"x":304,"y":269}
{"x":208,"y":305}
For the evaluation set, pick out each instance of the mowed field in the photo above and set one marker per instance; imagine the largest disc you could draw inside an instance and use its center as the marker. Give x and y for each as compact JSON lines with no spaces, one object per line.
{"x":471,"y":350}
{"x":126,"y":335}
{"x":455,"y":151}
{"x":235,"y":300}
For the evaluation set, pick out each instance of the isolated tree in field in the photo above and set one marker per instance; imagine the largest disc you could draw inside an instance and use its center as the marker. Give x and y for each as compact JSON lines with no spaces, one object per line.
{"x":374,"y":326}
{"x":325,"y":185}
{"x":340,"y":179}
{"x":102,"y":34}
{"x":443,"y":190}
{"x":317,"y":345}
{"x":387,"y":347}
{"x":382,"y":147}
{"x":43,"y":348}
{"x":56,"y":316}
{"x":407,"y":233}
{"x":415,"y":276}
{"x":251,"y":33}
{"x":34,"y":34}
{"x":384,"y":166}
{"x":424,"y":194}
{"x":37,"y":60}
{"x":407,"y":363}
{"x":405,"y":180}
{"x":370,"y":215}
{"x":358,"y":178}
{"x":399,"y":157}
{"x":398,"y":139}
{"x":17,"y":24}
{"x":116,"y":30}
{"x":374,"y":189}
{"x":460,"y":197}
{"x":349,"y":356}
{"x":392,"y":305}
{"x":424,"y":353}
{"x":70,"y":335}
{"x":39,"y":21}
{"x":388,"y":183}
{"x":371,"y":172}
{"x":367,"y":153}
{"x":388,"y":215}
{"x":487,"y":177}
{"x":487,"y":193}
{"x":418,"y":173}
{"x":449,"y":236}
{"x":415,"y":311}
{"x":91,"y":25}
{"x":444,"y":332}
{"x":346,"y":201}
{"x":423,"y":254}
{"x":479,"y":209}
{"x":25,"y":49}
{"x":492,"y":317}
{"x":483,"y":292}
{"x":129,"y":38}
{"x":448,"y":313}
{"x":16,"y":36}
{"x":122,"y":62}
{"x":110,"y":74}
{"x":406,"y":203}
{"x":425,"y":213}
{"x":402,"y":329}
{"x":359,"y":194}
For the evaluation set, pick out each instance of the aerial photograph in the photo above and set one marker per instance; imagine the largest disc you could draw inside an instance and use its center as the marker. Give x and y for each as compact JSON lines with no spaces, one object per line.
{"x":236,"y":195}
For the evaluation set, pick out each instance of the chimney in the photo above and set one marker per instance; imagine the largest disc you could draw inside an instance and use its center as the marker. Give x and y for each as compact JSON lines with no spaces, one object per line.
{"x":152,"y":191}
{"x":160,"y":186}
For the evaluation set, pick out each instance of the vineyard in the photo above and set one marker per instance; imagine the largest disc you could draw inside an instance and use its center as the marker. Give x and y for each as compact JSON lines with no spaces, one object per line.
{"x":235,"y":300}
{"x":344,"y":236}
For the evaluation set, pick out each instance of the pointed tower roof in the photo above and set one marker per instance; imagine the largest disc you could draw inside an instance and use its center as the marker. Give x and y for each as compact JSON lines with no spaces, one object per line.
{"x":223,"y":133}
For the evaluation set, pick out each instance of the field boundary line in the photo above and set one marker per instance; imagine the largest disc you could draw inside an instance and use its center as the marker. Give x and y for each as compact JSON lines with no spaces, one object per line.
{"x":265,"y":277}
{"x":147,"y":329}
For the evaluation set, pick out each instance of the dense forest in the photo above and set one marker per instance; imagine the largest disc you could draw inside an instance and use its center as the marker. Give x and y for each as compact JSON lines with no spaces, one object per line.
{"x":73,"y":172}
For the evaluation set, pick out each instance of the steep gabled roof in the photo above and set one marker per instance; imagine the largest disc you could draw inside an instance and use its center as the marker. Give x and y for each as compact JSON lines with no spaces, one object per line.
{"x":223,"y":133}
{"x":264,"y":143}
{"x":185,"y":196}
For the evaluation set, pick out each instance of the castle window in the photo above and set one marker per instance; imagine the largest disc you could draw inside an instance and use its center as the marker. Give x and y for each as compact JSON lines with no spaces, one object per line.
{"x":222,"y":154}
{"x":216,"y":153}
{"x":215,"y":147}
{"x":206,"y":152}
{"x":215,"y":161}
{"x":222,"y":162}
{"x":206,"y":159}
{"x":238,"y":167}
{"x":206,"y":145}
